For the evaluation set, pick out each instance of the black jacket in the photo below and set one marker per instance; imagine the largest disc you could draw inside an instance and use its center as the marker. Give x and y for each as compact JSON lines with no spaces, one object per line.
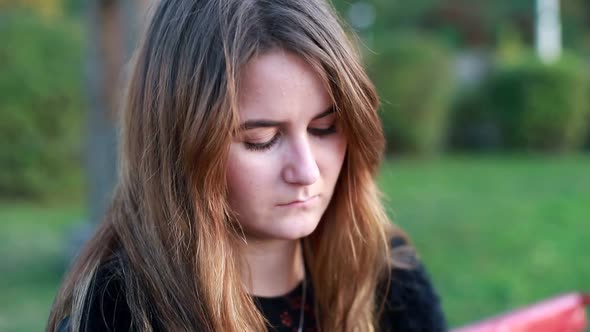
{"x":412,"y":305}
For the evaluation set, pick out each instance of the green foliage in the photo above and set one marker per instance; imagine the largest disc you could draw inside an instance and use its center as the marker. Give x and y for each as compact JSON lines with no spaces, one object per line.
{"x":473,"y":126}
{"x":413,"y":77}
{"x":538,"y":106}
{"x":40,"y":103}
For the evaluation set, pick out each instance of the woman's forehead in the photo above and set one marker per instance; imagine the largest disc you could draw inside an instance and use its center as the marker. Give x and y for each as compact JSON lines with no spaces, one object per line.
{"x":279,"y":83}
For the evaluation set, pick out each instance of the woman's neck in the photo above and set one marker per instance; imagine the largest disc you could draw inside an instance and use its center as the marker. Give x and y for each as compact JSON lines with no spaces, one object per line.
{"x":273,"y":267}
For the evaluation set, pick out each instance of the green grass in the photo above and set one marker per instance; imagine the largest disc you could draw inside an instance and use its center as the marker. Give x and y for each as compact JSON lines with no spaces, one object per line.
{"x":495,"y":234}
{"x":33,"y":240}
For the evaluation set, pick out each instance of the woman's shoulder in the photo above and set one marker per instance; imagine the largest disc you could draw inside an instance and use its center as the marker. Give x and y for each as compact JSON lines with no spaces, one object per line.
{"x":412,"y":303}
{"x":105,"y":308}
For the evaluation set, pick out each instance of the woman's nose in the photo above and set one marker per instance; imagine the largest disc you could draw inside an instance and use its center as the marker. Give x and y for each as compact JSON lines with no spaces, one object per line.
{"x":301,"y":166}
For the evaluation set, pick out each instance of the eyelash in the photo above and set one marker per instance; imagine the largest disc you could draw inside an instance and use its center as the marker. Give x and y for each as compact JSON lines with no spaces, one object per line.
{"x":267,"y":145}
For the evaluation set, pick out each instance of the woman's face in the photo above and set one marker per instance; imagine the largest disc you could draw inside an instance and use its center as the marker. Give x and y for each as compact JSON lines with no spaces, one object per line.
{"x":284,"y":164}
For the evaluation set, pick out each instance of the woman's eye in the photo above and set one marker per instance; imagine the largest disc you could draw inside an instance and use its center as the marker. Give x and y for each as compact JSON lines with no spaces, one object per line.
{"x":323,"y":131}
{"x":318,"y":131}
{"x":259,"y":146}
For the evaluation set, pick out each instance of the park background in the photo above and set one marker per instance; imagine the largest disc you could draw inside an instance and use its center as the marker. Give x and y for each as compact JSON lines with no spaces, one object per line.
{"x":488,"y":157}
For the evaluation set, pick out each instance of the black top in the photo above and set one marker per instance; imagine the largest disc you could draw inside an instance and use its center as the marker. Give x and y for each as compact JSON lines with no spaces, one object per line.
{"x":412,"y":305}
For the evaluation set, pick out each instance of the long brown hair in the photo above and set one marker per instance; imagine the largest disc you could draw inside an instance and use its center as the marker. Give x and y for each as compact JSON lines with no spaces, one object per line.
{"x":169,"y":227}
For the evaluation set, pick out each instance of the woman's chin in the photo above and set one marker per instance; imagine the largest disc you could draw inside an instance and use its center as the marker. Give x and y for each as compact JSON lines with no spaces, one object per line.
{"x":287,"y":231}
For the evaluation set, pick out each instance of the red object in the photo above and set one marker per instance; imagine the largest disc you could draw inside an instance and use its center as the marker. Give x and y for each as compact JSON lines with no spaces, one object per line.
{"x":565,"y":313}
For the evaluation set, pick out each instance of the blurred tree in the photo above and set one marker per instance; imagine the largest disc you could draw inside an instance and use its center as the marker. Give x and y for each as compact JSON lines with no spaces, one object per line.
{"x":40,"y":103}
{"x":105,"y":59}
{"x":112,"y":31}
{"x":576,"y":24}
{"x":414,"y":80}
{"x":74,"y":7}
{"x":111,"y":35}
{"x":539,"y":106}
{"x":46,"y":8}
{"x":466,"y":23}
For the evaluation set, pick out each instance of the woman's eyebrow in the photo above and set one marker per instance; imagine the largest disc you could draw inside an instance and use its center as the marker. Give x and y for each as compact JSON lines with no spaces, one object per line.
{"x":262,"y":123}
{"x":251,"y":124}
{"x":325,"y":113}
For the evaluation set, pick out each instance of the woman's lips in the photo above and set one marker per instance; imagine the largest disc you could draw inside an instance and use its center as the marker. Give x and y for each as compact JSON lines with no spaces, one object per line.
{"x":301,"y":203}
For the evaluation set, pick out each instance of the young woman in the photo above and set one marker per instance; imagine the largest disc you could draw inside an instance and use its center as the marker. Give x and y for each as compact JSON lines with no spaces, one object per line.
{"x":246,"y":199}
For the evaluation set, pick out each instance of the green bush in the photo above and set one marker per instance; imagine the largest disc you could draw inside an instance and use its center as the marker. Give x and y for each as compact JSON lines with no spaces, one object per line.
{"x":40,"y":103}
{"x":473,"y":126}
{"x":414,"y":79}
{"x":541,"y":107}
